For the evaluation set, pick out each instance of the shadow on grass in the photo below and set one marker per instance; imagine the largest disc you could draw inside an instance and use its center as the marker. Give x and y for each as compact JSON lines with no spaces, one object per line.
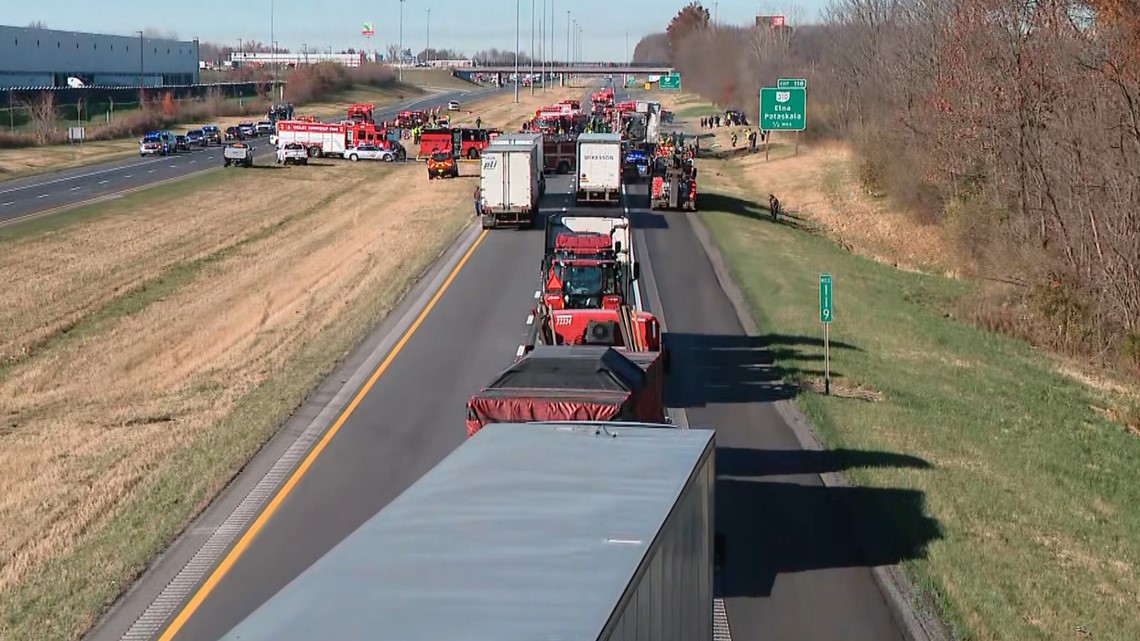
{"x":715,"y":201}
{"x":771,"y":527}
{"x":712,"y":369}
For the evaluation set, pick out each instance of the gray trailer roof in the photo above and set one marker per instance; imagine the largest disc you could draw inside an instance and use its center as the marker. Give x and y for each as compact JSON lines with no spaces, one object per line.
{"x":527,"y":532}
{"x":599,"y":138}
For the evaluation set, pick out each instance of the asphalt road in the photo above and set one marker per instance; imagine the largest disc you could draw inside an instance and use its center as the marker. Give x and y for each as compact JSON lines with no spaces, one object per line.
{"x":24,"y":197}
{"x":792,"y":571}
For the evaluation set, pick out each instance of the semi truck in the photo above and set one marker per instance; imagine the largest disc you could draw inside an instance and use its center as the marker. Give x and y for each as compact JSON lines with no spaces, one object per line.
{"x":544,"y":531}
{"x":510,"y":185}
{"x":599,"y":169}
{"x":573,"y":383}
{"x":588,"y":262}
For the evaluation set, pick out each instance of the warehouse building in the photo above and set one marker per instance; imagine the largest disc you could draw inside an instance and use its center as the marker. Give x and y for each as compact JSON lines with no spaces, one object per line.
{"x":49,"y":58}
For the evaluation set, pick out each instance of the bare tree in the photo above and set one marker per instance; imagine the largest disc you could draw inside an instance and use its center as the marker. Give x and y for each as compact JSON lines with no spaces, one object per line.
{"x":42,"y":116}
{"x":37,"y":24}
{"x":159,"y":34}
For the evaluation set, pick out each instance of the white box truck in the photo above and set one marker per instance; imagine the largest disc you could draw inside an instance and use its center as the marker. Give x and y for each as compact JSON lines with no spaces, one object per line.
{"x":587,"y":531}
{"x":599,"y":169}
{"x":509,"y":184}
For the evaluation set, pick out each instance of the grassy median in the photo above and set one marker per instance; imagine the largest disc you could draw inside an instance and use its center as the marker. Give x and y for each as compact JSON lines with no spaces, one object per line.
{"x":151,"y":344}
{"x":1035,"y":480}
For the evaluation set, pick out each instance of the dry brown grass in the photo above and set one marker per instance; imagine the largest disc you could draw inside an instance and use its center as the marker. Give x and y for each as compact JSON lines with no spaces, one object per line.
{"x":87,"y":419}
{"x":138,"y":333}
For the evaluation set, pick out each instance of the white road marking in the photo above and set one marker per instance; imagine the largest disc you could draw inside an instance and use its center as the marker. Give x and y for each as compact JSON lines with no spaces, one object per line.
{"x":150,"y":171}
{"x":43,"y":196}
{"x":9,"y":203}
{"x":521,"y":350}
{"x":127,"y":176}
{"x":172,"y":166}
{"x":76,"y":177}
{"x":537,"y":294}
{"x":637,"y":297}
{"x":530,"y":319}
{"x":76,"y":188}
{"x":104,"y":182}
{"x":193,"y":161}
{"x":721,"y":631}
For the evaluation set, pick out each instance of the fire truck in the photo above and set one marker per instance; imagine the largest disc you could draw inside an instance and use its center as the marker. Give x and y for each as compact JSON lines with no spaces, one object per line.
{"x":329,"y":139}
{"x":411,"y":118}
{"x":463,"y":142}
{"x":674,"y":182}
{"x":361,"y":113}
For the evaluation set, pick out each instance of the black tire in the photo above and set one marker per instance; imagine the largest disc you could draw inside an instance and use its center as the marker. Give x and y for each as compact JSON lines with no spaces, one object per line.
{"x":314,"y":151}
{"x":563,"y":167}
{"x":354,"y":157}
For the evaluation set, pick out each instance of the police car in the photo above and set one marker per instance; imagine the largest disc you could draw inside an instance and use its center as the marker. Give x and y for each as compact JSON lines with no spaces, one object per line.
{"x":153,"y":144}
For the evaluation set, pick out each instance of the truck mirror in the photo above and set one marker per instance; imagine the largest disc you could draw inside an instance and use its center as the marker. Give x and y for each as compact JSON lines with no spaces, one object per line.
{"x":636,"y":271}
{"x":617,"y":246}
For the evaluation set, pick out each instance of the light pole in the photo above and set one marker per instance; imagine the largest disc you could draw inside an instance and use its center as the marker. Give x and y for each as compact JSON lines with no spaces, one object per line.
{"x":517,"y":34}
{"x":566,"y":76}
{"x":142,"y":78}
{"x":273,"y":42}
{"x":427,"y":49}
{"x":532,"y":47}
{"x":400,"y":53}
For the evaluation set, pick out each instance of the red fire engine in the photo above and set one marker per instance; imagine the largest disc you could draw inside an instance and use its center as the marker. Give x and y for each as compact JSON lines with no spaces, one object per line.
{"x":411,"y":118}
{"x":463,"y":142}
{"x":328,"y":139}
{"x":361,"y":112}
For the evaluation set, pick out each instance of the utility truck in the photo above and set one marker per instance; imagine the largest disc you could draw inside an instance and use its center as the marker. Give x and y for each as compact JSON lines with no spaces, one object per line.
{"x":599,"y":169}
{"x":510,"y":185}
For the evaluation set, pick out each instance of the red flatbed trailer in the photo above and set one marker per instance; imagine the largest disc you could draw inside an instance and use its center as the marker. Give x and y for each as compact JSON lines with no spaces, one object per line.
{"x":581,"y":383}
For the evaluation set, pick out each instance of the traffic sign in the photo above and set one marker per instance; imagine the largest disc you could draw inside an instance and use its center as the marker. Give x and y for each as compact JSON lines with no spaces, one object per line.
{"x":367,"y":30}
{"x":672,"y":82}
{"x":791,"y":83}
{"x":826,"y":313}
{"x":783,"y":109}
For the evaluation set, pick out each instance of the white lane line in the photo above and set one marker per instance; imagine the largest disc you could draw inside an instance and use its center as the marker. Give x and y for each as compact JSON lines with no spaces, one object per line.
{"x":75,"y":177}
{"x":9,"y":203}
{"x":563,"y":208}
{"x":127,"y":176}
{"x":104,"y":182}
{"x":530,"y":319}
{"x":721,"y":631}
{"x":521,"y":350}
{"x":537,"y":294}
{"x":193,"y":161}
{"x":150,"y":171}
{"x":173,"y":166}
{"x":76,"y":188}
{"x":43,"y":196}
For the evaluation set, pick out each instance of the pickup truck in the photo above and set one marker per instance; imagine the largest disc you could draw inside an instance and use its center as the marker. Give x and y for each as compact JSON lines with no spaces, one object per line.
{"x":237,"y":153}
{"x":292,"y":153}
{"x":212,"y":134}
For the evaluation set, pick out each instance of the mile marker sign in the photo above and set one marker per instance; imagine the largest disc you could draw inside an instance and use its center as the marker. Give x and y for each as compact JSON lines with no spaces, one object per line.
{"x":825,"y":307}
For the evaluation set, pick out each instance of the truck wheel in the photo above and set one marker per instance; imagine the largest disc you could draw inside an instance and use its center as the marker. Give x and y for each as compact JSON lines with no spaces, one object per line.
{"x":563,"y":167}
{"x":314,"y":151}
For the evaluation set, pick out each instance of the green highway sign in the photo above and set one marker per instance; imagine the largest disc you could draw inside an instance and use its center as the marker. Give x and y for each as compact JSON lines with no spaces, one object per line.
{"x":825,"y":309}
{"x":783,"y":109}
{"x":791,"y":83}
{"x":672,"y":81}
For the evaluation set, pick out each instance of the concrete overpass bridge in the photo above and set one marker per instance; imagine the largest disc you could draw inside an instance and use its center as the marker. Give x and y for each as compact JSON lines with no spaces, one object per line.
{"x":576,"y":68}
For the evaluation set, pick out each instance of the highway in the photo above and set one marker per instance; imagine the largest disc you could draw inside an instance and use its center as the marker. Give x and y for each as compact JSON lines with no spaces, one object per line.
{"x":34,"y":195}
{"x":792,"y":573}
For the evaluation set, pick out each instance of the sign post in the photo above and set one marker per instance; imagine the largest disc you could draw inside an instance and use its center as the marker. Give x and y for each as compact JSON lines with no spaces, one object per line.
{"x":784,"y":108}
{"x":826,"y":315}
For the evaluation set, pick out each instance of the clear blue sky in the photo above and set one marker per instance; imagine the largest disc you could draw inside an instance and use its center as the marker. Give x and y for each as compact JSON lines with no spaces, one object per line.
{"x":337,"y":24}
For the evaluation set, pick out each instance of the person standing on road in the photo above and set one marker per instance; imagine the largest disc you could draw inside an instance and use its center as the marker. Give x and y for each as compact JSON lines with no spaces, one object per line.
{"x":478,"y":201}
{"x":478,"y":122}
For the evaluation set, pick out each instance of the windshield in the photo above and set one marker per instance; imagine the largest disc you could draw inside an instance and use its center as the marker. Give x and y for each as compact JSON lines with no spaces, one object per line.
{"x":584,"y":280}
{"x":440,"y":156}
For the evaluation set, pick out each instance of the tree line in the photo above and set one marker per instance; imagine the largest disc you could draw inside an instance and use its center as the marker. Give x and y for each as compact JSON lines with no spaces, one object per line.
{"x":1015,"y":125}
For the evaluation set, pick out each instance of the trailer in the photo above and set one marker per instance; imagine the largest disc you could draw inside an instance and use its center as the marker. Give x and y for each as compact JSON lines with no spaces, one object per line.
{"x":545,"y":531}
{"x":573,"y":383}
{"x":599,"y":169}
{"x":510,"y":183}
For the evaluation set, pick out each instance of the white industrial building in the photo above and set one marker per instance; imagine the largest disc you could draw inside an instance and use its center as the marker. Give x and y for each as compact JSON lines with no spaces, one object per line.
{"x":48,"y":58}
{"x":245,"y":59}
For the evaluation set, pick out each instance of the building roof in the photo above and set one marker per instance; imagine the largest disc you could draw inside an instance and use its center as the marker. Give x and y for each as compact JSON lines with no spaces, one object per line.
{"x":527,"y":532}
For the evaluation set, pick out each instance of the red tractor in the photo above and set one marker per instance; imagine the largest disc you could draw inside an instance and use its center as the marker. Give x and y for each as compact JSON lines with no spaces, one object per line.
{"x":584,"y":272}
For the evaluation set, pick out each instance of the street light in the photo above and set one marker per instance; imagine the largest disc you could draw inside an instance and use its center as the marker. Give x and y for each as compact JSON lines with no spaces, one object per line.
{"x":273,"y":41}
{"x":142,"y":81}
{"x":532,"y":47}
{"x":566,"y":76}
{"x":427,"y":49}
{"x":517,"y":34}
{"x":400,"y":53}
